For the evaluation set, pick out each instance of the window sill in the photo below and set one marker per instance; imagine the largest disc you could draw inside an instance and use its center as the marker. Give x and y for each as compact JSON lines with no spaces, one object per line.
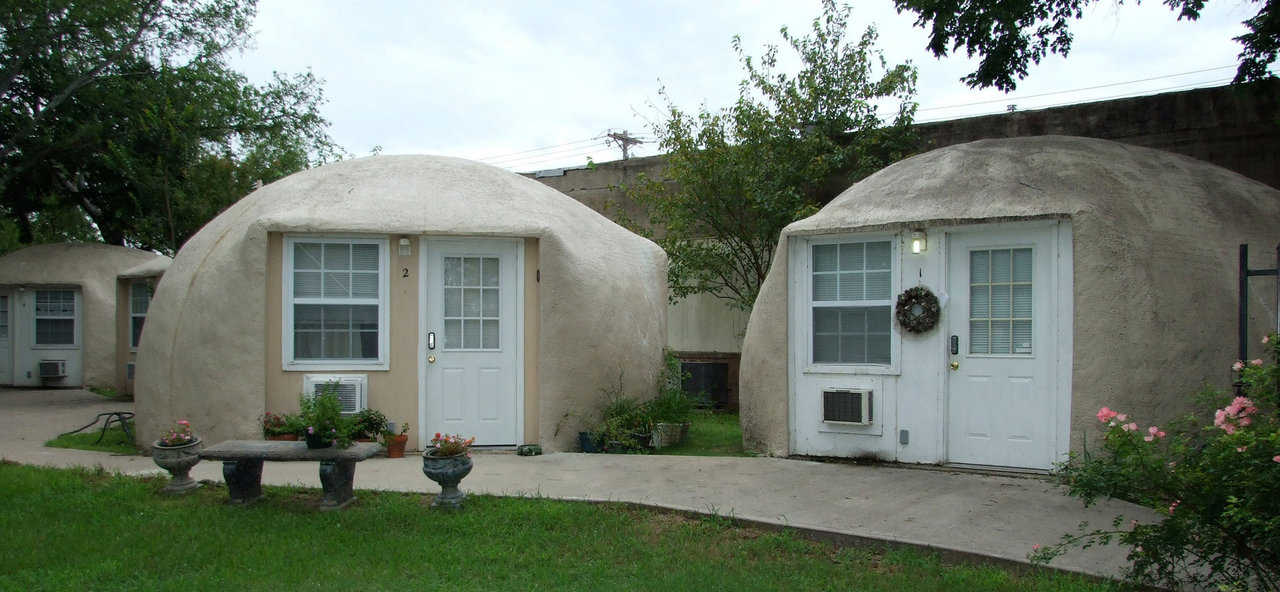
{"x":335,"y":365}
{"x":866,"y":369}
{"x":65,"y":346}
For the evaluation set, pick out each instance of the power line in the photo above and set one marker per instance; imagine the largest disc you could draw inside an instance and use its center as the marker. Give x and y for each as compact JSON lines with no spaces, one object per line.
{"x":1191,"y":85}
{"x":539,"y":149}
{"x":543,"y":156}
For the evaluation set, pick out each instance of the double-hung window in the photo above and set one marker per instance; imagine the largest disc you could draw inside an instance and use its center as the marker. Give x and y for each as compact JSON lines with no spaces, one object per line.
{"x":851,"y":288}
{"x":336,"y":302}
{"x":55,"y":317}
{"x":139,"y":302}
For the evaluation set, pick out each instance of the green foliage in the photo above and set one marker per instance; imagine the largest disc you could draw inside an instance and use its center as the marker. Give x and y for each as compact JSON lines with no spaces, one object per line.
{"x":735,"y":177}
{"x":1214,"y":477}
{"x":1010,"y":36}
{"x":671,"y":405}
{"x":710,"y":434}
{"x":122,"y":121}
{"x":115,"y":440}
{"x":369,"y":423}
{"x":55,"y":522}
{"x":322,"y":414}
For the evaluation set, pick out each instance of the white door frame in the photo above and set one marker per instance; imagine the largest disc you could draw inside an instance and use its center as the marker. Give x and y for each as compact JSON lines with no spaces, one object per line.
{"x":423,"y":328}
{"x":1064,"y":313}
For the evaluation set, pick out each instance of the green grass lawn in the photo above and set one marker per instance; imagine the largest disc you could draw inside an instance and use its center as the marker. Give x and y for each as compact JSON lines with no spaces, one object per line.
{"x":710,"y":434}
{"x":114,"y":440}
{"x":83,"y":530}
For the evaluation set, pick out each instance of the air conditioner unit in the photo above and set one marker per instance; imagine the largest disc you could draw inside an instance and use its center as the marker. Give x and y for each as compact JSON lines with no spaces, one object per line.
{"x":847,"y":406}
{"x":53,"y":368}
{"x":352,"y":389}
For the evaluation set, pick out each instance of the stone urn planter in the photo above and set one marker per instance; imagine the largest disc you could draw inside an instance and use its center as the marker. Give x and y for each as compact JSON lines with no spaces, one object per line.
{"x":178,"y":460}
{"x":448,"y":471}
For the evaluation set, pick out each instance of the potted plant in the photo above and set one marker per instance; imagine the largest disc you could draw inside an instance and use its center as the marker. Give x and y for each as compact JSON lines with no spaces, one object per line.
{"x":393,"y":441}
{"x":446,"y":462}
{"x":282,"y":426}
{"x":323,"y":421}
{"x":369,"y":424}
{"x":177,"y":451}
{"x":670,"y":410}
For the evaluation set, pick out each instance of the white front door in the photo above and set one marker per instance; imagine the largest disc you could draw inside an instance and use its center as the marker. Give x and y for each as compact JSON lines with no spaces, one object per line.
{"x":6,"y":350}
{"x":1002,"y":403}
{"x":472,"y":332}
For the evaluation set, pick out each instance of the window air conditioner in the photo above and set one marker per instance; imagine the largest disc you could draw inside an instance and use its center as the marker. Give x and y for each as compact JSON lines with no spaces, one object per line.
{"x":847,"y":406}
{"x":53,"y":368}
{"x":352,"y":389}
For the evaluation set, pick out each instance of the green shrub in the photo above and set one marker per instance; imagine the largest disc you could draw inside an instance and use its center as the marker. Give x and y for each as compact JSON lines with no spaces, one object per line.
{"x":322,"y":414}
{"x":369,"y":423}
{"x":1214,"y":477}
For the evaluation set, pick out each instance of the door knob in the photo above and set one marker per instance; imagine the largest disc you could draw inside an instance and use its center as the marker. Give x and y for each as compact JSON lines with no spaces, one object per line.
{"x":955,"y":365}
{"x":431,"y":359}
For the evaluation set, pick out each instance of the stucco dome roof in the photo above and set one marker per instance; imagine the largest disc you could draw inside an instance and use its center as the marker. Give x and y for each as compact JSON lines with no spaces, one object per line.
{"x":1044,"y":176}
{"x":602,"y":290}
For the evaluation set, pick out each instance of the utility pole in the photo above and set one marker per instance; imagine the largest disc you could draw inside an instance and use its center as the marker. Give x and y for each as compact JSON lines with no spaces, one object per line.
{"x":624,"y":140}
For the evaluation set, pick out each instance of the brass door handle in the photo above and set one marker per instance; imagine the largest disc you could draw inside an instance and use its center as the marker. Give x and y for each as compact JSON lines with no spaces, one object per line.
{"x":955,"y":365}
{"x":431,"y":359}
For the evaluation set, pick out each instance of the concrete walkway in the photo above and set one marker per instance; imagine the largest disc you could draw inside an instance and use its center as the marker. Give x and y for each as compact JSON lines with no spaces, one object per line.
{"x":1000,"y":517}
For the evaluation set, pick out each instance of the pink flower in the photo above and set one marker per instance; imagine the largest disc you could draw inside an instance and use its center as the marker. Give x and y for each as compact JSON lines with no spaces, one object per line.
{"x":1242,"y":449}
{"x":1035,"y":547}
{"x":1237,"y":366}
{"x":1121,"y":417}
{"x":1255,"y":362}
{"x":1129,"y":427}
{"x":1266,"y":339}
{"x":1105,"y":415}
{"x":1276,"y":458}
{"x":184,"y":422}
{"x":1174,"y":505}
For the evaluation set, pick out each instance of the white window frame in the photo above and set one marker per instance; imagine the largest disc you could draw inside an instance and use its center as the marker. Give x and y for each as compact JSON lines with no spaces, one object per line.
{"x":287,"y":302}
{"x":803,"y":260}
{"x":133,"y":313}
{"x":78,"y":303}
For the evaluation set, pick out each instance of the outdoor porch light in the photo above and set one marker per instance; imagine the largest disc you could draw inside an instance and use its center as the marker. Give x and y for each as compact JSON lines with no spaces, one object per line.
{"x":405,"y":249}
{"x":919,"y":241}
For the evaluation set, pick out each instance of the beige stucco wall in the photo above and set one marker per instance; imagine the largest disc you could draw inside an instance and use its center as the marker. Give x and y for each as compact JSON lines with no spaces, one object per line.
{"x":1155,"y":249}
{"x":600,"y":302}
{"x":93,"y":268}
{"x":704,"y":323}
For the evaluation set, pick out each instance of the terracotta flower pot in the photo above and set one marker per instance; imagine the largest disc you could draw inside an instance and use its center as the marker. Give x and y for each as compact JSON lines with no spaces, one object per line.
{"x":448,"y":471}
{"x":395,"y":446}
{"x":283,"y":437}
{"x":178,"y":460}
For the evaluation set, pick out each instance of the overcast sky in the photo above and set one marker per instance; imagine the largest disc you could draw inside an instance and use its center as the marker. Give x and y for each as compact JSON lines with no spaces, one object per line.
{"x":534,"y":85}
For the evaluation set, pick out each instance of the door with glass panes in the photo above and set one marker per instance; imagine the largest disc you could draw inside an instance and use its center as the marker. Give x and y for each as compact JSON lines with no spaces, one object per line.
{"x":471,"y":331}
{"x":6,"y":350}
{"x":1001,"y":403}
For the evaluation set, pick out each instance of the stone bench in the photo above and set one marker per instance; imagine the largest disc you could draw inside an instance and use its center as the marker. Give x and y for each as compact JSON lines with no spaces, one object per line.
{"x":242,"y":467}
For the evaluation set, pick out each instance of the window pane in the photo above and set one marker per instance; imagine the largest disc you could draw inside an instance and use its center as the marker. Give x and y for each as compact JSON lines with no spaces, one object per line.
{"x":851,"y":257}
{"x":853,"y":349}
{"x":306,"y":255}
{"x":878,"y":319}
{"x":452,"y":334}
{"x":337,"y":256}
{"x":364,"y":257}
{"x":364,"y":318}
{"x":471,"y":302}
{"x":306,"y":284}
{"x":471,"y":334}
{"x":55,"y":303}
{"x":824,"y":257}
{"x":453,"y":271}
{"x":337,"y":345}
{"x":1000,"y":302}
{"x":337,"y":284}
{"x":490,"y":337}
{"x":852,"y":335}
{"x":453,"y":302}
{"x":135,"y":334}
{"x":306,"y":317}
{"x":4,"y":317}
{"x":824,"y":287}
{"x":490,"y":272}
{"x":1000,"y":337}
{"x":979,"y":337}
{"x":980,"y":267}
{"x":306,"y":345}
{"x":851,"y":287}
{"x":471,"y":271}
{"x":878,"y":255}
{"x":853,"y":321}
{"x":364,"y":285}
{"x":335,"y":317}
{"x":364,"y":345}
{"x":490,"y":303}
{"x":826,"y":348}
{"x":139,"y":297}
{"x":877,"y":349}
{"x":826,"y":320}
{"x":979,"y":301}
{"x":1022,"y":337}
{"x":1000,"y":267}
{"x":878,"y":286}
{"x":1022,"y":302}
{"x":1022,"y":265}
{"x":55,"y":331}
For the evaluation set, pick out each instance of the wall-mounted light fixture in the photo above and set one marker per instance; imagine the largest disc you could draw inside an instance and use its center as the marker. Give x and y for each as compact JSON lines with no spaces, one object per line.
{"x":919,"y":241}
{"x":405,"y":249}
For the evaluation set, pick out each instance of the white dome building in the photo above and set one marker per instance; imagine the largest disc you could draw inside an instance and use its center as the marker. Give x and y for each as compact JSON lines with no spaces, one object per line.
{"x":1072,"y":273}
{"x":448,"y":294}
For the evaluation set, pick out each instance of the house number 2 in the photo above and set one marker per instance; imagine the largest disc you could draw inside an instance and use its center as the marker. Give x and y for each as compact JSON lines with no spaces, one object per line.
{"x":404,"y":272}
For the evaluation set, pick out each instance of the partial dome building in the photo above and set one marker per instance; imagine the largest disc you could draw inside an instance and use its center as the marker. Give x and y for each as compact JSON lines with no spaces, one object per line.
{"x":1070,"y":273}
{"x":60,"y":319}
{"x":445,"y":293}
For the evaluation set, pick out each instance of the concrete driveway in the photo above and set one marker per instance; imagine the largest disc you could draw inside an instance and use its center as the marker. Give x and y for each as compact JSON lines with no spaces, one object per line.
{"x":992,"y":516}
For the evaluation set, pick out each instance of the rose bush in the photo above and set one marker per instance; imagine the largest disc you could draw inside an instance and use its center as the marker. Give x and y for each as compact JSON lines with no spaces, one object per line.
{"x":1216,"y":485}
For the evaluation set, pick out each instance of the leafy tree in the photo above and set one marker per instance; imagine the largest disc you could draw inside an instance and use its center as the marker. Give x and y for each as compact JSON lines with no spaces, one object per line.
{"x":1010,"y":36}
{"x":736,"y":176}
{"x":123,"y":116}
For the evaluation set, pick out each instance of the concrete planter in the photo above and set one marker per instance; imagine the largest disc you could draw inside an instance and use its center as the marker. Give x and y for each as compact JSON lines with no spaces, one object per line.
{"x":448,"y":471}
{"x":178,"y":460}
